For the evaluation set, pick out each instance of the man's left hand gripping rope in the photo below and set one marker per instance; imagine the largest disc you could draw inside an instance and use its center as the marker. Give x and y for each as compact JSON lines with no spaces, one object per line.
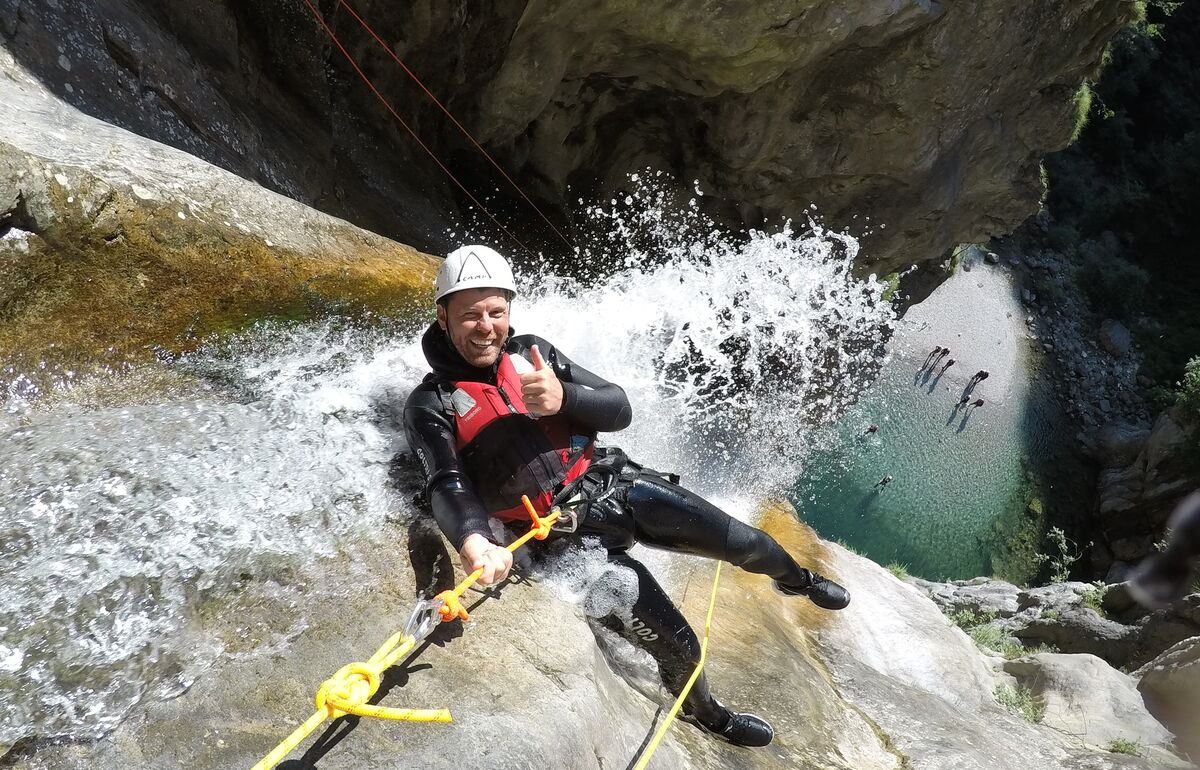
{"x":349,"y":690}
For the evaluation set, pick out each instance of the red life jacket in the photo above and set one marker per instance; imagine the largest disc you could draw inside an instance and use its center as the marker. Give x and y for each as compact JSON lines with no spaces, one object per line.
{"x":506,"y":453}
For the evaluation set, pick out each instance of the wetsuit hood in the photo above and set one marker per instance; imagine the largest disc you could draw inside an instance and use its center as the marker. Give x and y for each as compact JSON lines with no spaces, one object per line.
{"x":448,"y":363}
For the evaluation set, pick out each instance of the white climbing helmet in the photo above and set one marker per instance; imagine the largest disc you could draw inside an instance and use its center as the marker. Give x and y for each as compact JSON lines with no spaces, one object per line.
{"x":473,"y":267}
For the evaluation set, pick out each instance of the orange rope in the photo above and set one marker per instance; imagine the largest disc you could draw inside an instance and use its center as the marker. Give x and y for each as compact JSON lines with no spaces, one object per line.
{"x":540,"y":529}
{"x":454,"y":120}
{"x":412,"y":133}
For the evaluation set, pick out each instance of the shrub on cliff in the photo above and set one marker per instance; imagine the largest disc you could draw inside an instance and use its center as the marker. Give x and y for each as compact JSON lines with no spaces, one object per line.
{"x":1135,"y":172}
{"x":1189,"y":387}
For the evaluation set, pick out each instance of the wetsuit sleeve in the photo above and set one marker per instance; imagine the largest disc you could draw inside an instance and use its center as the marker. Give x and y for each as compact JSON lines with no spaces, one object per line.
{"x":590,"y":401}
{"x":456,"y":507}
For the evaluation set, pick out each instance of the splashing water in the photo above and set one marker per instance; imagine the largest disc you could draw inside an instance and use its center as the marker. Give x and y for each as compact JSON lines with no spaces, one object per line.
{"x":729,"y":349}
{"x":116,"y":523}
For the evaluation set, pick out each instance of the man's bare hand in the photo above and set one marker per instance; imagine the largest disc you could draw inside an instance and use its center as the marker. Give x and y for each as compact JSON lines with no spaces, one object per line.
{"x":477,"y":551}
{"x":540,"y":389}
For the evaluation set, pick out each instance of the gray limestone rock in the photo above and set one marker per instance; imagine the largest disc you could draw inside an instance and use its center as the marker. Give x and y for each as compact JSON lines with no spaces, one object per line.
{"x":770,"y":105}
{"x":981,"y":595}
{"x":887,"y":684}
{"x":1170,"y":684}
{"x":1115,"y":338}
{"x":1117,"y":444}
{"x":1085,"y":697}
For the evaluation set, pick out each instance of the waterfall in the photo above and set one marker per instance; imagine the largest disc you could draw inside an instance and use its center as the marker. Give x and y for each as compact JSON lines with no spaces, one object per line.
{"x":119,"y":522}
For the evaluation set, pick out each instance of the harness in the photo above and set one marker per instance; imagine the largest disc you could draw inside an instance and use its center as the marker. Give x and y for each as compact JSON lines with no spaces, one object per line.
{"x":508,"y":452}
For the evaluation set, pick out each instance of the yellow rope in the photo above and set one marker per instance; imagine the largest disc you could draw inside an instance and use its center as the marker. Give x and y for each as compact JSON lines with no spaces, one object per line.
{"x":349,"y":690}
{"x":662,"y":729}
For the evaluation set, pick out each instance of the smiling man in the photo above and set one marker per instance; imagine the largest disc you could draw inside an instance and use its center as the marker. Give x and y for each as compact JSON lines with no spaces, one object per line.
{"x":502,"y":416}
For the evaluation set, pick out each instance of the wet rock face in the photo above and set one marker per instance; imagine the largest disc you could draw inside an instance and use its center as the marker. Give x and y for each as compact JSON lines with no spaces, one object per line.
{"x":888,"y":110}
{"x":115,"y":249}
{"x":1144,"y":475}
{"x":886,"y":684}
{"x":1169,"y":684}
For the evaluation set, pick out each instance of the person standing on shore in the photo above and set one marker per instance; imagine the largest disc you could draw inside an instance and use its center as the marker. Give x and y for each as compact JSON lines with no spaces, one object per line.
{"x":949,"y":364}
{"x":977,"y":402}
{"x":979,"y":377}
{"x":933,"y":356}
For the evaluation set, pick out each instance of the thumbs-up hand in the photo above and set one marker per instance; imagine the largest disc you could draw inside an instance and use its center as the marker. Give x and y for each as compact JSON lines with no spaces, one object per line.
{"x":540,"y":389}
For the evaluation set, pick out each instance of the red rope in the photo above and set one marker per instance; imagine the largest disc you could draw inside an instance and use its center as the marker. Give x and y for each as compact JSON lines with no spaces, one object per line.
{"x":412,"y":133}
{"x":454,"y":120}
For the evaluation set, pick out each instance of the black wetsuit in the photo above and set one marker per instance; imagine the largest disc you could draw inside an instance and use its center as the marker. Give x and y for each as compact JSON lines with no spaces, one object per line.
{"x":645,"y":507}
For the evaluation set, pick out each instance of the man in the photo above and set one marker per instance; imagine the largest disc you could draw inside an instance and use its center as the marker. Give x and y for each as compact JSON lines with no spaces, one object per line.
{"x":503,"y":415}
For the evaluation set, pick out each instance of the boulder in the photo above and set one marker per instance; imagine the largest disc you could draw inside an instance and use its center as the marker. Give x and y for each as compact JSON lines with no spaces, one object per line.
{"x":1137,"y":495}
{"x":1117,"y":444}
{"x":979,"y":595}
{"x":121,"y":249}
{"x":1169,"y":684}
{"x":1085,"y":697}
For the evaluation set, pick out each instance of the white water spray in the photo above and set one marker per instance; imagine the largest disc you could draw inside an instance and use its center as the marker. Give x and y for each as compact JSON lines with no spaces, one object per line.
{"x":117,"y":522}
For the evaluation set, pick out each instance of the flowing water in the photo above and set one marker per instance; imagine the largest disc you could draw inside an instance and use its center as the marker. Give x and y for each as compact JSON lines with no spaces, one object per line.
{"x":118,"y":523}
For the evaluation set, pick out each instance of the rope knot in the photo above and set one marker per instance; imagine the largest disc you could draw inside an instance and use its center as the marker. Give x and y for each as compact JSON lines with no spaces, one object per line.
{"x":352,"y":686}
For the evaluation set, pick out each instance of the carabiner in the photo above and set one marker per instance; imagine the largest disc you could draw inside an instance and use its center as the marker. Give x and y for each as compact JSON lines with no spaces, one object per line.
{"x":424,"y":619}
{"x":567,"y":521}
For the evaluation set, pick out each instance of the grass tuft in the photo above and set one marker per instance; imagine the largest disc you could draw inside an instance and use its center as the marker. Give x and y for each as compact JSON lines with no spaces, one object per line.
{"x":1022,"y":702}
{"x":899,"y":570}
{"x":966,"y":618}
{"x":848,"y":547}
{"x":1093,"y":598}
{"x":1124,"y":746}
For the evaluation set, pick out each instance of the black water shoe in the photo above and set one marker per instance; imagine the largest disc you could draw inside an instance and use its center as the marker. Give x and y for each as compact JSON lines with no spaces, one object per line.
{"x":823,"y":592}
{"x":739,"y":729}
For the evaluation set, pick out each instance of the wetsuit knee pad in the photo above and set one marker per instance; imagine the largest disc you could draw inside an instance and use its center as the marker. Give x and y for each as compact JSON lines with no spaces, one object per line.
{"x":655,"y":620}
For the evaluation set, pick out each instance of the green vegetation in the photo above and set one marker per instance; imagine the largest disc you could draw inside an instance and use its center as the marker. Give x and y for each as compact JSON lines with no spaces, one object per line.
{"x":1124,"y":746}
{"x":1022,"y":702}
{"x":1049,"y":614}
{"x":977,"y":624}
{"x":1113,"y":285}
{"x":993,"y":638}
{"x":1124,"y":195}
{"x":1189,"y":387}
{"x":1066,"y":553}
{"x":848,"y":547}
{"x":1093,"y":598}
{"x":1083,"y":108}
{"x":891,"y":284}
{"x":996,"y":640}
{"x":967,"y":618}
{"x":899,"y":570}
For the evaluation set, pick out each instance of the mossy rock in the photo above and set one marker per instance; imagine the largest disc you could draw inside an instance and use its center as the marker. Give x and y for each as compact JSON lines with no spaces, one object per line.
{"x":98,"y":276}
